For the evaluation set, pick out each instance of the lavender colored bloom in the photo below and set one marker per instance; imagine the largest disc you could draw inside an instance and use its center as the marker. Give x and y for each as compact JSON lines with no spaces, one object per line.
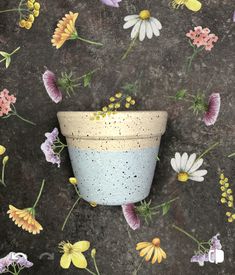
{"x":131,"y":216}
{"x":215,"y":242}
{"x":234,"y":16}
{"x":112,"y":3}
{"x":50,"y":83}
{"x":212,"y":112}
{"x":47,"y":147}
{"x":200,"y":259}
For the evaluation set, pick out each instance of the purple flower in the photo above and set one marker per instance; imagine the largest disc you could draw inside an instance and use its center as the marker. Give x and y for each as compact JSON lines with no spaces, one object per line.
{"x":50,"y":83}
{"x":212,"y":112}
{"x":131,"y":216}
{"x":48,"y":147}
{"x":200,"y":259}
{"x":234,"y":16}
{"x":112,"y":3}
{"x":215,"y":242}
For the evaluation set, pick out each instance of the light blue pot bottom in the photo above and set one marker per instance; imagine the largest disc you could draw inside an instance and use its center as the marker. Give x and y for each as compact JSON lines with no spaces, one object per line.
{"x":114,"y":178}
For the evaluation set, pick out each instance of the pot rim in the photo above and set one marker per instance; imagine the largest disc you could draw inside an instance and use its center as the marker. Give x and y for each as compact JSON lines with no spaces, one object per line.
{"x":132,"y":111}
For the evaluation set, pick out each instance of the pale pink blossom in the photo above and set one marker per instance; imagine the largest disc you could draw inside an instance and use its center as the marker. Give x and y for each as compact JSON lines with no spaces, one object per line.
{"x":111,"y":3}
{"x":129,"y":212}
{"x":5,"y":102}
{"x":213,"y":109}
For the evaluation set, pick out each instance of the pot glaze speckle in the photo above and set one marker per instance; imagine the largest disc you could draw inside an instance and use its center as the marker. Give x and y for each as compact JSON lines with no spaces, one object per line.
{"x":113,"y":158}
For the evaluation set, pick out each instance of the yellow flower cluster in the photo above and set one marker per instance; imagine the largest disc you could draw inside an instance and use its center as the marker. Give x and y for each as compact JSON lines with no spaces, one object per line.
{"x":227,"y":196}
{"x":115,"y":102}
{"x":33,"y":9}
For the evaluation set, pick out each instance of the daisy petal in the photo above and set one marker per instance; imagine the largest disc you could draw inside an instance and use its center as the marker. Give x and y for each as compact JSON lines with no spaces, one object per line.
{"x":155,"y":256}
{"x":159,"y":255}
{"x":178,"y":160}
{"x":130,"y":17}
{"x":157,"y":23}
{"x":130,"y":23}
{"x":144,"y":251}
{"x":142,"y":245}
{"x":149,"y":30}
{"x":142,"y":31}
{"x":184,"y":160}
{"x":149,"y":254}
{"x":195,"y":166}
{"x":163,"y":253}
{"x":154,"y":28}
{"x":197,"y":178}
{"x":135,"y":30}
{"x":174,"y":166}
{"x":65,"y":261}
{"x":198,"y":173}
{"x":190,"y":162}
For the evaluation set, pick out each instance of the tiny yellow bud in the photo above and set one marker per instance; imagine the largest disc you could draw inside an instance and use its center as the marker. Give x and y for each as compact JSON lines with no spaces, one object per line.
{"x":5,"y":160}
{"x":221,"y":182}
{"x":221,"y":176}
{"x":93,"y":253}
{"x":128,"y":99}
{"x":229,"y":191}
{"x":93,"y":204}
{"x":2,"y":150}
{"x":226,"y":180}
{"x":105,"y":109}
{"x":230,"y":204}
{"x":223,"y":200}
{"x":230,"y":197}
{"x":36,"y":6}
{"x":228,"y":214}
{"x":118,"y":95}
{"x":230,"y":219}
{"x":29,"y":4}
{"x":28,"y":25}
{"x":22,"y":23}
{"x":36,"y":13}
{"x":112,"y":99}
{"x":127,"y":105}
{"x":224,"y":194}
{"x":132,"y":102}
{"x":233,"y":216}
{"x":73,"y":180}
{"x":222,"y":188}
{"x":226,"y":185}
{"x":117,"y":105}
{"x":31,"y":18}
{"x":32,"y":1}
{"x":111,"y":106}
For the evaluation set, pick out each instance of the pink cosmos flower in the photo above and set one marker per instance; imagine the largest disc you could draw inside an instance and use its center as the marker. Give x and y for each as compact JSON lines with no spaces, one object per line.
{"x":5,"y":102}
{"x":112,"y":3}
{"x":50,"y":83}
{"x":212,"y":112}
{"x":131,"y":216}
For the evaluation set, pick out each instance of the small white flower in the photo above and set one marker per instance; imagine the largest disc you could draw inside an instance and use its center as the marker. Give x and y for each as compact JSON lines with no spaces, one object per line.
{"x":187,"y":167}
{"x":143,"y":25}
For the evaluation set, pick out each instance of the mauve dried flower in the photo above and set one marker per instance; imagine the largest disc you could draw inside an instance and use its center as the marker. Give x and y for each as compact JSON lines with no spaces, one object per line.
{"x":131,"y":216}
{"x":50,"y":83}
{"x":213,"y":109}
{"x":111,"y":3}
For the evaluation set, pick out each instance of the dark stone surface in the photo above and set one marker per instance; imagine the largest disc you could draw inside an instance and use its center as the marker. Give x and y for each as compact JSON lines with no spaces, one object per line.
{"x":158,"y":65}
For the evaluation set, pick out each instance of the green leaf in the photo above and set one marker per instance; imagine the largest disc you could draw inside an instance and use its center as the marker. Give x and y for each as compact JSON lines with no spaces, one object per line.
{"x":87,"y":80}
{"x":165,"y":208}
{"x":8,"y":61}
{"x":4,"y":54}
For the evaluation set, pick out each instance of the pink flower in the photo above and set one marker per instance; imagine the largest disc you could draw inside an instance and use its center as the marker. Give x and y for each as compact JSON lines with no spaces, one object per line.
{"x":112,"y":3}
{"x":213,"y":109}
{"x":49,"y":80}
{"x":131,"y":216}
{"x":5,"y":102}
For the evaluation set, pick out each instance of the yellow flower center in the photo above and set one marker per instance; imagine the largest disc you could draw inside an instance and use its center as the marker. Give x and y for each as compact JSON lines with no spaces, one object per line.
{"x":156,"y":242}
{"x":183,"y":176}
{"x":144,"y":14}
{"x":68,"y":248}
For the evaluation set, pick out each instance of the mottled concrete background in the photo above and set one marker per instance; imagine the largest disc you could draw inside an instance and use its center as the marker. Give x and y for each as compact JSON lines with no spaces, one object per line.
{"x":158,"y":66}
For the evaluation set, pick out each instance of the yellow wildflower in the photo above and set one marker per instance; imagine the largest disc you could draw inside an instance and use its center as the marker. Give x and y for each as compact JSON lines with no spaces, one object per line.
{"x":2,"y":150}
{"x":73,"y":180}
{"x":193,"y":5}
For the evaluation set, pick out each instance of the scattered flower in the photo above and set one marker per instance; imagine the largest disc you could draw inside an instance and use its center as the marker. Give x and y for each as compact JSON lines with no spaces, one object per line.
{"x":52,"y":147}
{"x":193,"y":5}
{"x":227,"y":197}
{"x":187,"y":167}
{"x":93,"y":204}
{"x":7,"y":107}
{"x":4,"y":162}
{"x":73,"y":180}
{"x":115,"y":103}
{"x":133,"y":213}
{"x":73,"y":253}
{"x":234,"y":16}
{"x":66,"y":31}
{"x":111,"y":3}
{"x":7,"y":57}
{"x":66,"y":82}
{"x":25,"y":218}
{"x":210,"y":109}
{"x":201,"y":39}
{"x":14,"y":263}
{"x":143,"y":25}
{"x":206,"y":250}
{"x":150,"y":250}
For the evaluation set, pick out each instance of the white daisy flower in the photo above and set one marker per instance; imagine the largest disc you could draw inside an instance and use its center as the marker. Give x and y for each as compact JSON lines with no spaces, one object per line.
{"x":143,"y":25}
{"x":187,"y":167}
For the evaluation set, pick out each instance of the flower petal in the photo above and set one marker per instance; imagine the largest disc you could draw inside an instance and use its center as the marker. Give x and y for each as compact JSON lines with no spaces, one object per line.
{"x":159,"y":259}
{"x":49,"y":81}
{"x":193,"y":5}
{"x":81,"y":246}
{"x":149,"y":30}
{"x":154,"y":28}
{"x":174,"y":165}
{"x":144,"y":251}
{"x":190,"y":162}
{"x":142,"y":30}
{"x":130,"y":23}
{"x":135,"y":30}
{"x":149,"y":254}
{"x":198,"y":173}
{"x":142,"y":245}
{"x":199,"y":179}
{"x":157,"y":23}
{"x":195,"y":166}
{"x":65,"y":261}
{"x":212,"y":113}
{"x":178,"y":160}
{"x":79,"y":260}
{"x":184,"y":160}
{"x":155,"y":256}
{"x":130,"y":17}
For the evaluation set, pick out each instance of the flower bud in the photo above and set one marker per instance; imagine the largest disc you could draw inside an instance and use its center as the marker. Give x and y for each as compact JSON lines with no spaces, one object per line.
{"x":93,"y":253}
{"x":73,"y":180}
{"x":5,"y":160}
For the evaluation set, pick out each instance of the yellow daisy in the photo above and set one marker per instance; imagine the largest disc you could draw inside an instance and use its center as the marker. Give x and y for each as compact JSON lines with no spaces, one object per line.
{"x":148,"y":250}
{"x":73,"y":253}
{"x":193,"y":5}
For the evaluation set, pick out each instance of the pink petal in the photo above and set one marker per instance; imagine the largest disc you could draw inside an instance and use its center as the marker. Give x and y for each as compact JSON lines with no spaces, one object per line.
{"x":50,"y":84}
{"x":131,"y":215}
{"x":212,"y":113}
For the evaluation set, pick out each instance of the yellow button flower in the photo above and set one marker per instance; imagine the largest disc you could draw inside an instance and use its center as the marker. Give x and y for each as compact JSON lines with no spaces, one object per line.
{"x":36,"y":13}
{"x":73,"y":180}
{"x":2,"y":150}
{"x":30,"y":4}
{"x":73,"y":253}
{"x":148,"y":250}
{"x":31,"y":18}
{"x":36,"y":6}
{"x":28,"y":25}
{"x":22,"y":23}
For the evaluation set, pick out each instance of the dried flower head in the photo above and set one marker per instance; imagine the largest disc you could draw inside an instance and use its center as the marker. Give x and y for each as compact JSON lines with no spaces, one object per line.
{"x":27,"y":17}
{"x":111,"y":3}
{"x":17,"y":261}
{"x":50,"y":83}
{"x":193,"y":5}
{"x":212,"y":109}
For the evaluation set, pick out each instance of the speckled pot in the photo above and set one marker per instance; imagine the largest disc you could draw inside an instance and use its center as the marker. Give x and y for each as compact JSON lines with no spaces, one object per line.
{"x":113,"y":158}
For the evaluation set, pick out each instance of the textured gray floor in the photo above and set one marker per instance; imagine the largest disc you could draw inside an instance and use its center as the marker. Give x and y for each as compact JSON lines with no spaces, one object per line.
{"x":157,"y":64}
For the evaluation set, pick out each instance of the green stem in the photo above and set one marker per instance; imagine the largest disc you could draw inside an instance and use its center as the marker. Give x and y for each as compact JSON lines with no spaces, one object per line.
{"x":91,"y":72}
{"x":130,"y":47}
{"x":191,"y":58}
{"x":139,"y":266}
{"x":70,"y":211}
{"x":207,"y":150}
{"x":19,"y":10}
{"x":190,"y":236}
{"x":91,"y":272}
{"x":167,"y":202}
{"x":75,"y":36}
{"x":231,"y":155}
{"x":39,"y":195}
{"x":96,"y":267}
{"x":3,"y":175}
{"x":24,"y":119}
{"x":16,"y":50}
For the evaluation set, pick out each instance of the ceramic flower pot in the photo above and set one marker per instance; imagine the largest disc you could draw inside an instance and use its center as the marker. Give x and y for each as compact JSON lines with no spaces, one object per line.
{"x":113,"y":158}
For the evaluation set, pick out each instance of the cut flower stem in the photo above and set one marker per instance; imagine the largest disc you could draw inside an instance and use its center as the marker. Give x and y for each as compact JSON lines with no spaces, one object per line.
{"x":76,"y":37}
{"x":130,"y":47}
{"x":208,"y":150}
